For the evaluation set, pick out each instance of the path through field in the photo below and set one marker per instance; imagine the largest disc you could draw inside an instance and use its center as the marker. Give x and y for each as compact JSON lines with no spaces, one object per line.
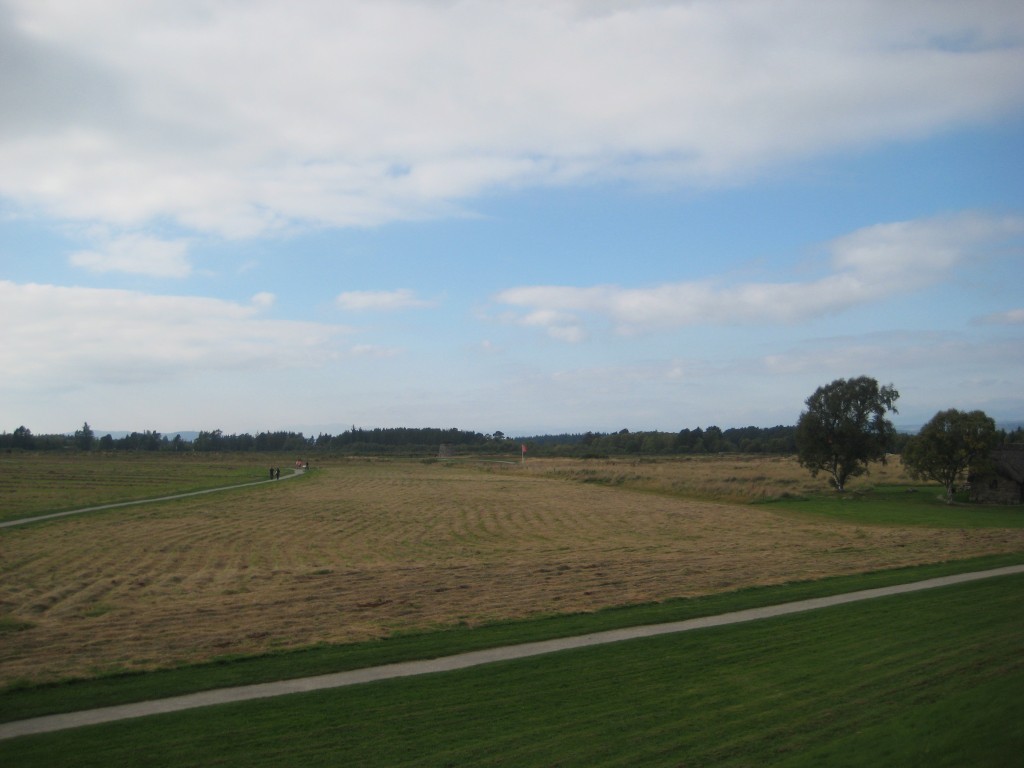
{"x":101,"y":507}
{"x":362,"y":549}
{"x":52,"y":723}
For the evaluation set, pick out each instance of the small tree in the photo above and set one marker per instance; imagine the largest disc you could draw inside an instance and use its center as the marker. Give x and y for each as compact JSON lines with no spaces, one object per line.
{"x":948,"y":445}
{"x":844,"y":428}
{"x":84,"y":437}
{"x":22,"y":438}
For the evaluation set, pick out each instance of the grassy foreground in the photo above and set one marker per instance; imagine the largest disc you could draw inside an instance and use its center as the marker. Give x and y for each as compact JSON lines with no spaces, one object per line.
{"x":21,"y":701}
{"x":930,"y":678}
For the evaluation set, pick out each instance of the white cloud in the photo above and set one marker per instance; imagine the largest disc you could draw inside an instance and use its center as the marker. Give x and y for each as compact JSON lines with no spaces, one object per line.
{"x":916,"y":251}
{"x":373,"y":351}
{"x":867,"y":265}
{"x":380,"y":301}
{"x":136,"y":254}
{"x":66,"y":337}
{"x":240,"y":118}
{"x":932,"y":371}
{"x":264,"y":300}
{"x":1009,"y":317}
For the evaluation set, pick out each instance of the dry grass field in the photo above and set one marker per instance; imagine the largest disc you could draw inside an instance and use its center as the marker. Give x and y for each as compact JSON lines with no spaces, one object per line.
{"x":38,"y":482}
{"x":363,"y":548}
{"x":722,"y":477}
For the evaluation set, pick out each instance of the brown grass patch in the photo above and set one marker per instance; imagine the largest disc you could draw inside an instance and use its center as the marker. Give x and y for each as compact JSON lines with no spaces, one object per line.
{"x":362,"y":549}
{"x":33,"y":483}
{"x":723,"y":477}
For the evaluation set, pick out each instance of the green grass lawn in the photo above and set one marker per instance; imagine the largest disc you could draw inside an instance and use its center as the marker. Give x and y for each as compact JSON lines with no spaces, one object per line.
{"x":930,"y":678}
{"x":922,"y":505}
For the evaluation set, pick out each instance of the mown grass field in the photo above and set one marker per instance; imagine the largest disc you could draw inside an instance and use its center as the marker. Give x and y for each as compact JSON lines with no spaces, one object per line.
{"x":364,"y":549}
{"x":33,"y":483}
{"x":925,"y":679}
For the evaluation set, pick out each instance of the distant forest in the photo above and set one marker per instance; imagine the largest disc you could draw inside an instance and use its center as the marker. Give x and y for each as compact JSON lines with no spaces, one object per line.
{"x":410,"y":441}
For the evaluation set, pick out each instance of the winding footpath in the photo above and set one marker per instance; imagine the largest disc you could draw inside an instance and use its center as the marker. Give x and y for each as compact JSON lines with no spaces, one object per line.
{"x":463,"y":660}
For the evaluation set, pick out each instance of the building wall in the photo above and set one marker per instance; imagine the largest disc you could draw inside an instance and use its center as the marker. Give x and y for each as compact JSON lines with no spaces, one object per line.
{"x":996,"y":489}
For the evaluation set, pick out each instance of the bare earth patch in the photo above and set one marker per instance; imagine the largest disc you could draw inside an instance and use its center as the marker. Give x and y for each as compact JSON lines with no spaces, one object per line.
{"x":363,"y":549}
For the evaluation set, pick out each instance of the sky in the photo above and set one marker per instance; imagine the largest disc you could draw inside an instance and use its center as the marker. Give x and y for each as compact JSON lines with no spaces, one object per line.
{"x":539,"y":216}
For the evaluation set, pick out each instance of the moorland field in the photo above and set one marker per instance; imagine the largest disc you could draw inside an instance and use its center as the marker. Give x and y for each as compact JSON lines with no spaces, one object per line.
{"x":359,"y":549}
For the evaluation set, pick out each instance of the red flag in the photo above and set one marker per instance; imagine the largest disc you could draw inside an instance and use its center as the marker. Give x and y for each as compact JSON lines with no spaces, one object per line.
{"x":524,"y":447}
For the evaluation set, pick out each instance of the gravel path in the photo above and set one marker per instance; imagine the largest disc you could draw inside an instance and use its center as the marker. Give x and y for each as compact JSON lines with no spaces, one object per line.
{"x":463,"y":660}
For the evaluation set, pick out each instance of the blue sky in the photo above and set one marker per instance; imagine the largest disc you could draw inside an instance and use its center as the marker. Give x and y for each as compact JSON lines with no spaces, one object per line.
{"x":529,"y":217}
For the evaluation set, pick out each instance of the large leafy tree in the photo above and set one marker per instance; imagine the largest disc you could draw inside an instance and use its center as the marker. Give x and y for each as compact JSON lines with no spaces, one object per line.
{"x":844,"y":428}
{"x":948,"y":445}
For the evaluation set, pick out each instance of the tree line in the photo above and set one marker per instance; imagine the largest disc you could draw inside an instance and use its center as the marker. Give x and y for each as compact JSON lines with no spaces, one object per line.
{"x":843,"y":429}
{"x":354,"y":441}
{"x":712,"y":439}
{"x":426,"y":441}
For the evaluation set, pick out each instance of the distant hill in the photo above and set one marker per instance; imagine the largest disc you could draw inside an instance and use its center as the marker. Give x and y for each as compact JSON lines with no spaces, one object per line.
{"x":187,"y":435}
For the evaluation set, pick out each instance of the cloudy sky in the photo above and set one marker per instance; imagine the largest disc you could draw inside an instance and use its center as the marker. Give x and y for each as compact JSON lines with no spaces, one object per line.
{"x":531,"y":216}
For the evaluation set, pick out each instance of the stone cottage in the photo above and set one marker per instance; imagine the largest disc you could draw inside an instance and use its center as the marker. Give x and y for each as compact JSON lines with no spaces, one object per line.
{"x":1002,"y":482}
